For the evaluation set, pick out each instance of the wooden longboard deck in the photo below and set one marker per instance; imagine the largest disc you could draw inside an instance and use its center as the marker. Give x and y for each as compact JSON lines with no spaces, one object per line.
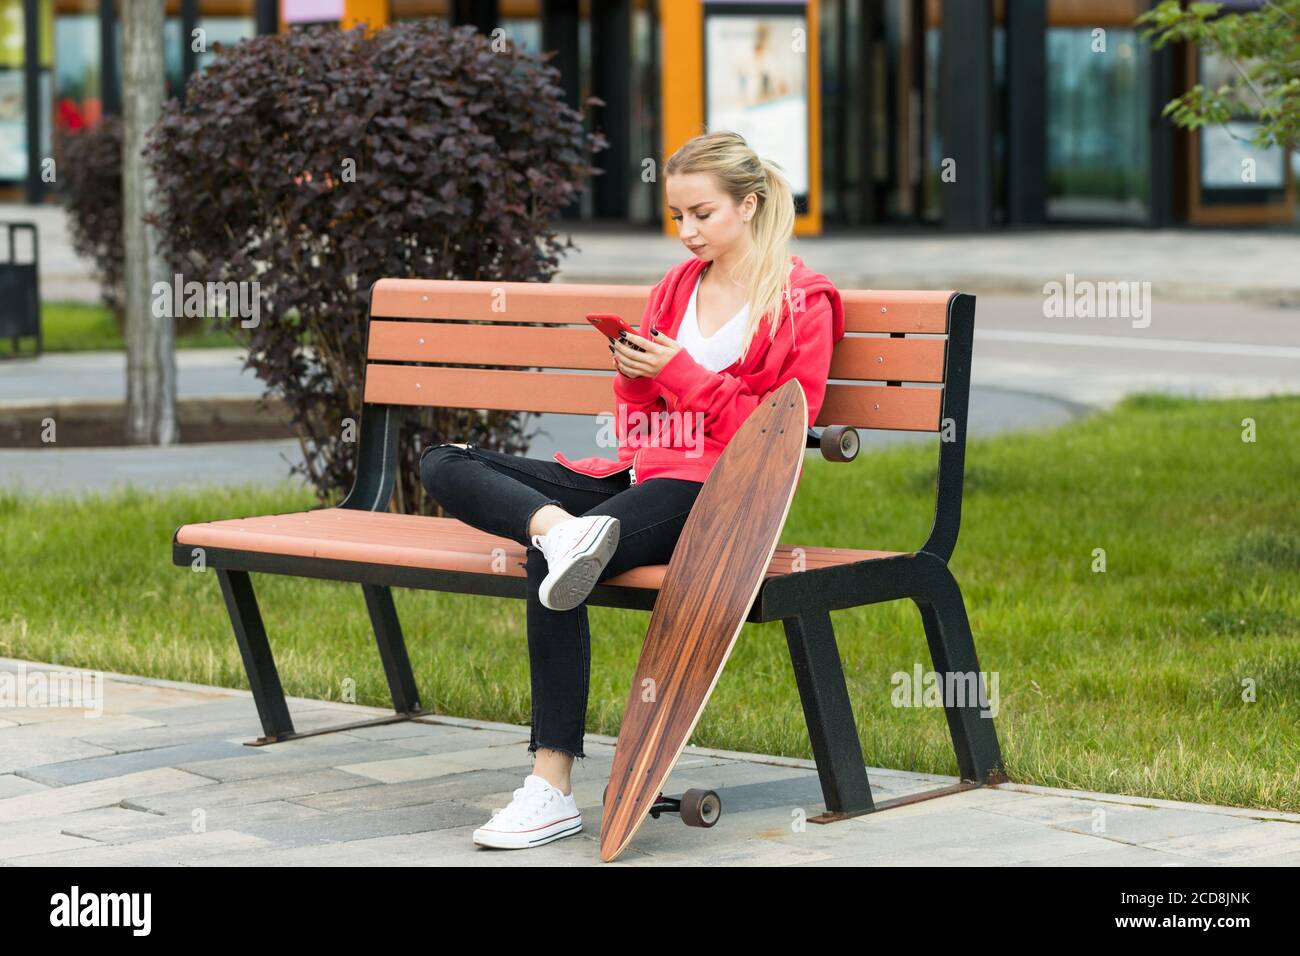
{"x":710,"y":584}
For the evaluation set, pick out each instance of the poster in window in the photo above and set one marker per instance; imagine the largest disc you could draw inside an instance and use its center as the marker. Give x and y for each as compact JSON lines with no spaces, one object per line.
{"x":756,"y":82}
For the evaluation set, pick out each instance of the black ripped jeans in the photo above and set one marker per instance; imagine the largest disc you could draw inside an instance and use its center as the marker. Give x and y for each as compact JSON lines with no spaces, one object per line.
{"x":499,"y":494}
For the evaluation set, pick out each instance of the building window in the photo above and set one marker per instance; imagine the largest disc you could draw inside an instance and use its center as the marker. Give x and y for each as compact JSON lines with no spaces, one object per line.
{"x":1097,"y":165}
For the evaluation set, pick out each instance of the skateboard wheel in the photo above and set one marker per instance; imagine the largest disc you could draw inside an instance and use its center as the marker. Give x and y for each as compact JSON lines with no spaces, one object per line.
{"x":701,"y":808}
{"x":839,"y":443}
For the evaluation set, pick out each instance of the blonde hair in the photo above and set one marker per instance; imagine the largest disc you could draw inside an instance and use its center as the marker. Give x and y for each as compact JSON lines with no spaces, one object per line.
{"x":739,"y":171}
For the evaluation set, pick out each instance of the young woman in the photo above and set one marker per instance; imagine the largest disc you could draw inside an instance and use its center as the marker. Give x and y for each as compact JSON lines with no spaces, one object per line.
{"x":708,"y":351}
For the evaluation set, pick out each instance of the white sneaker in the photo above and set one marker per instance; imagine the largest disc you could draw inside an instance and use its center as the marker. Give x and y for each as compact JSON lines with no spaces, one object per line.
{"x":538,"y":814}
{"x":576,"y":550}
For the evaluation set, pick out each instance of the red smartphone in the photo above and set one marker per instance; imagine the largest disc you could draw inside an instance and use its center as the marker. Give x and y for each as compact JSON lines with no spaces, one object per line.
{"x":611,"y":325}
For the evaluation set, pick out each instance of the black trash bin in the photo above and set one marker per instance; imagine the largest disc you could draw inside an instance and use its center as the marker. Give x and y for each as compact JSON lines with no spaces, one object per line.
{"x":20,"y":301}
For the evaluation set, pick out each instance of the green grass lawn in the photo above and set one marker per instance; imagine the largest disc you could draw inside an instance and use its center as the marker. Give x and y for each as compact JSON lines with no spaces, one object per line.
{"x":78,"y":326}
{"x":1129,"y":680}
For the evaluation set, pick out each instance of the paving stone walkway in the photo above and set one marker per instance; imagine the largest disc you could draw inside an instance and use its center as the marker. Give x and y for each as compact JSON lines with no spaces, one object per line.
{"x":153,"y":772}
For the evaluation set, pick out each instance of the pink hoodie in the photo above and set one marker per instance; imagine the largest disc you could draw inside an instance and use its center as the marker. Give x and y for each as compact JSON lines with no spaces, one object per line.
{"x":673,"y":448}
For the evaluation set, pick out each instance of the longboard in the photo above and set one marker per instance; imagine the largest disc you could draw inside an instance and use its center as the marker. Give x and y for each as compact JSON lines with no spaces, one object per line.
{"x":712,"y":579}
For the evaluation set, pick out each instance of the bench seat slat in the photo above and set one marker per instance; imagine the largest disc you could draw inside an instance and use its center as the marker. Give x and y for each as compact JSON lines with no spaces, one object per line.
{"x":420,"y":541}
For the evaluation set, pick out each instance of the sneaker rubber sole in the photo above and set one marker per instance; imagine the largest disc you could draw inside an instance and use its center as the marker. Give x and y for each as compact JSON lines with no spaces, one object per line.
{"x":567,"y":589}
{"x":502,"y":840}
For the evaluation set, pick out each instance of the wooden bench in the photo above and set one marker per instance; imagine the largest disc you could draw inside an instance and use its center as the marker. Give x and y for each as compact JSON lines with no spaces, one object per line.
{"x":417,"y":332}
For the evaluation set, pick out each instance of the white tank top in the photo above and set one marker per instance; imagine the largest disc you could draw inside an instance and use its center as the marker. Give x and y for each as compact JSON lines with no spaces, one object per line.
{"x":718,"y":350}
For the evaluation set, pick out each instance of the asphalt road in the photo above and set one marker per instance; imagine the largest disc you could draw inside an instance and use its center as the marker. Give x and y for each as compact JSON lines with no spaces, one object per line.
{"x":1030,"y":370}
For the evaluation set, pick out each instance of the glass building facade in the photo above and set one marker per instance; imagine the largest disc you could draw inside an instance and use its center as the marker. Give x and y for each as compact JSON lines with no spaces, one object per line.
{"x":71,"y":73}
{"x":1050,"y":107}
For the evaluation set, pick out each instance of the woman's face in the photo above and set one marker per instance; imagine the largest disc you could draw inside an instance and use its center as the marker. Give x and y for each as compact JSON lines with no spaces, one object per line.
{"x":709,"y":223}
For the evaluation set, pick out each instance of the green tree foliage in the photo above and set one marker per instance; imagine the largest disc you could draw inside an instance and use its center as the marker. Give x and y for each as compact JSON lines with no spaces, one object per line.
{"x":1263,"y":47}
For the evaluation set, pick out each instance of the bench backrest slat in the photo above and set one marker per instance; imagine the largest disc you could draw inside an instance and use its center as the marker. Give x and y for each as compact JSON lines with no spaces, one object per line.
{"x":895,"y":310}
{"x":865,"y":310}
{"x":913,"y":409}
{"x":857,"y":357}
{"x":520,"y":323}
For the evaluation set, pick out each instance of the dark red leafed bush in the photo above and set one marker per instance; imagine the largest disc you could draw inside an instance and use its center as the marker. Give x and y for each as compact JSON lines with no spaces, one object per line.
{"x":317,"y":161}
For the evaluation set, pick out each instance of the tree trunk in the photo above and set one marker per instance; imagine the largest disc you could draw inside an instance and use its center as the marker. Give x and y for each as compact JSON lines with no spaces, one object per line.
{"x":150,"y":339}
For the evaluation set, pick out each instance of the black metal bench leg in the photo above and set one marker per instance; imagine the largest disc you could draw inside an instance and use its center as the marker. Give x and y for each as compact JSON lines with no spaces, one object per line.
{"x":829,"y":715}
{"x":392,"y":648}
{"x":263,"y":678}
{"x":952,"y":649}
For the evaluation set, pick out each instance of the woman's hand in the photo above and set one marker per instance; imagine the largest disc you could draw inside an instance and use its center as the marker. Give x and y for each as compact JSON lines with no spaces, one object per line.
{"x":659,"y":351}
